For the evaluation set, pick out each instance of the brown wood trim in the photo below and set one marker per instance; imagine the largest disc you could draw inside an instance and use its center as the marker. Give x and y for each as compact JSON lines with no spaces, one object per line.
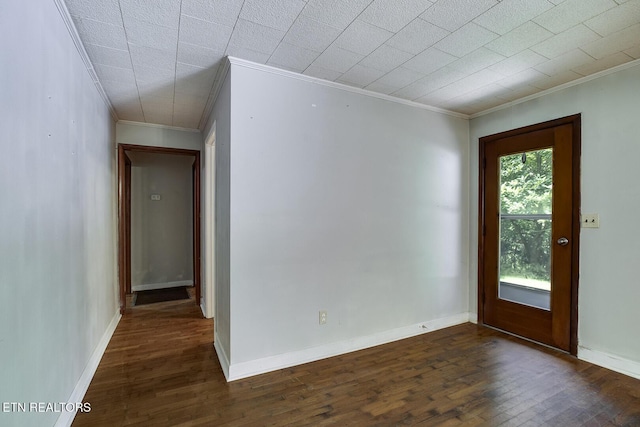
{"x":481,"y":230}
{"x":121,"y":229}
{"x":196,"y":228}
{"x":576,"y":123}
{"x":127,"y":215}
{"x":577,"y":200}
{"x":159,"y":150}
{"x":123,"y":269}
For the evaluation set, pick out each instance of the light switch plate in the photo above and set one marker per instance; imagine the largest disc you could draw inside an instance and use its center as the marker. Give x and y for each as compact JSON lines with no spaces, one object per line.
{"x":590,"y":221}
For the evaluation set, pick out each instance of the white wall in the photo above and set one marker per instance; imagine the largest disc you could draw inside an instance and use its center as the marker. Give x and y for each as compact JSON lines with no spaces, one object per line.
{"x":161,"y":230}
{"x":339,"y":202}
{"x":608,"y":287}
{"x":221,"y":115}
{"x":57,"y":215}
{"x":158,"y":136}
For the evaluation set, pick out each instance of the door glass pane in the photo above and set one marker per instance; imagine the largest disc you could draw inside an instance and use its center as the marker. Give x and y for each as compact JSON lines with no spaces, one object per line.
{"x":526,"y":189}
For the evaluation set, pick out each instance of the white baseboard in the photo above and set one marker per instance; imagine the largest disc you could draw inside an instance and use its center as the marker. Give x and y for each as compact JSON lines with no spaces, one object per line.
{"x":609,"y":361}
{"x":66,"y":418}
{"x":254,"y":367}
{"x":222,"y":357}
{"x":151,"y":286}
{"x":473,"y":318}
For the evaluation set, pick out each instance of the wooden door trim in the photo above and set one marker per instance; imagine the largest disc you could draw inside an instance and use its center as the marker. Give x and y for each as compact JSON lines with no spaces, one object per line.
{"x":122,"y":215}
{"x":575,"y":122}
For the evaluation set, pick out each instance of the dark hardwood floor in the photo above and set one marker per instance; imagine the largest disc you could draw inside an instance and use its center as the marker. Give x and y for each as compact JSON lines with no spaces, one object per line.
{"x":160,"y":369}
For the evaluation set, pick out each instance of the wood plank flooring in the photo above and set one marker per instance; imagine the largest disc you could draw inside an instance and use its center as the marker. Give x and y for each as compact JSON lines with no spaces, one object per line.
{"x":160,"y":369}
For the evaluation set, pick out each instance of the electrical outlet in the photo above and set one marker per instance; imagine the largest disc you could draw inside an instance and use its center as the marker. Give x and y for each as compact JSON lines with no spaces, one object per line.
{"x":322,"y":317}
{"x":590,"y":221}
{"x":155,"y":197}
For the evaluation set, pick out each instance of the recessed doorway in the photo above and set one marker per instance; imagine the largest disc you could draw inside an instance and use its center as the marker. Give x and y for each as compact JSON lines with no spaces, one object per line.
{"x":159,"y":220}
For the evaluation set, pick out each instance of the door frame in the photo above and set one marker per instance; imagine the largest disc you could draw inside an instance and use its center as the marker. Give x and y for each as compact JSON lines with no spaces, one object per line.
{"x":575,"y":122}
{"x":124,"y":216}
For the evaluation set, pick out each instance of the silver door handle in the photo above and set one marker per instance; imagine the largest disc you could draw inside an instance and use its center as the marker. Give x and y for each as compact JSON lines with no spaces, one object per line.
{"x":563,"y":241}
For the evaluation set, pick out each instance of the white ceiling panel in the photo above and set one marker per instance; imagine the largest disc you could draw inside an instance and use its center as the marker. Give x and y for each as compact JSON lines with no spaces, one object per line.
{"x":519,"y":39}
{"x":199,"y":56}
{"x":106,"y":11}
{"x":224,"y":12}
{"x":256,"y":37}
{"x":634,"y":52}
{"x":203,"y":33}
{"x":278,"y":14}
{"x":381,"y":88}
{"x":510,"y":14}
{"x":400,"y":77}
{"x":453,"y":14}
{"x":521,"y":79}
{"x":337,"y":59}
{"x":417,"y":36}
{"x":620,"y":41}
{"x":158,"y":60}
{"x":322,"y":73}
{"x":571,"y":13}
{"x":108,"y":56}
{"x":569,"y":60}
{"x":439,"y":79}
{"x":429,"y":60}
{"x":293,"y":57}
{"x":163,"y":89}
{"x":143,"y":56}
{"x":476,"y":61}
{"x":555,"y":80}
{"x":393,"y":15}
{"x":616,"y":19}
{"x":145,"y":34}
{"x":248,"y":54}
{"x":518,"y":62}
{"x":362,"y":38}
{"x":605,"y":63}
{"x":360,"y":76}
{"x":336,"y":13}
{"x":101,"y":33}
{"x":465,"y":40}
{"x":153,"y":74}
{"x":165,"y":13}
{"x":311,"y":34}
{"x":386,"y":58}
{"x":115,"y":74}
{"x":565,"y":41}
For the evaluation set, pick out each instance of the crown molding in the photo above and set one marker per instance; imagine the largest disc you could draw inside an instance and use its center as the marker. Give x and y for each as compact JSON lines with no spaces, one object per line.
{"x":73,"y":32}
{"x":567,"y":85}
{"x":223,"y":70}
{"x":158,"y":126}
{"x":341,"y":86}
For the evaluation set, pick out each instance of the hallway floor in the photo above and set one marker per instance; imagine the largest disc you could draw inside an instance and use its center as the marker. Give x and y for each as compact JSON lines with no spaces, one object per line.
{"x":160,"y":369}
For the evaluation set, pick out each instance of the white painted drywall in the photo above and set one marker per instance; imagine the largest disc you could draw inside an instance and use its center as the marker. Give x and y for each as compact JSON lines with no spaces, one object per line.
{"x":57,"y":215}
{"x":158,"y":136}
{"x":608,"y":288}
{"x":221,"y":115}
{"x":340,"y":202}
{"x":161,"y":230}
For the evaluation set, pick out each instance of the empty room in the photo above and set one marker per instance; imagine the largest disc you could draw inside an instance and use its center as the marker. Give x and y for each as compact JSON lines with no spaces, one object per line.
{"x":320,"y":212}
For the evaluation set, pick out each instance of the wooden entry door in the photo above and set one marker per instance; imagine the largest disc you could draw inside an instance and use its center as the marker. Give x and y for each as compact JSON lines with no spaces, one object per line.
{"x":529,"y":232}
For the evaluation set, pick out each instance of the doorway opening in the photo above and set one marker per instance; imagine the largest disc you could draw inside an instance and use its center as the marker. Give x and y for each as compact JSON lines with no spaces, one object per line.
{"x":529,"y":232}
{"x":164,"y":251}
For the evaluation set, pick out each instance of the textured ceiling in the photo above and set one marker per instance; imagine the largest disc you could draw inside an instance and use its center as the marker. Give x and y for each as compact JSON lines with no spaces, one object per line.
{"x":158,"y":60}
